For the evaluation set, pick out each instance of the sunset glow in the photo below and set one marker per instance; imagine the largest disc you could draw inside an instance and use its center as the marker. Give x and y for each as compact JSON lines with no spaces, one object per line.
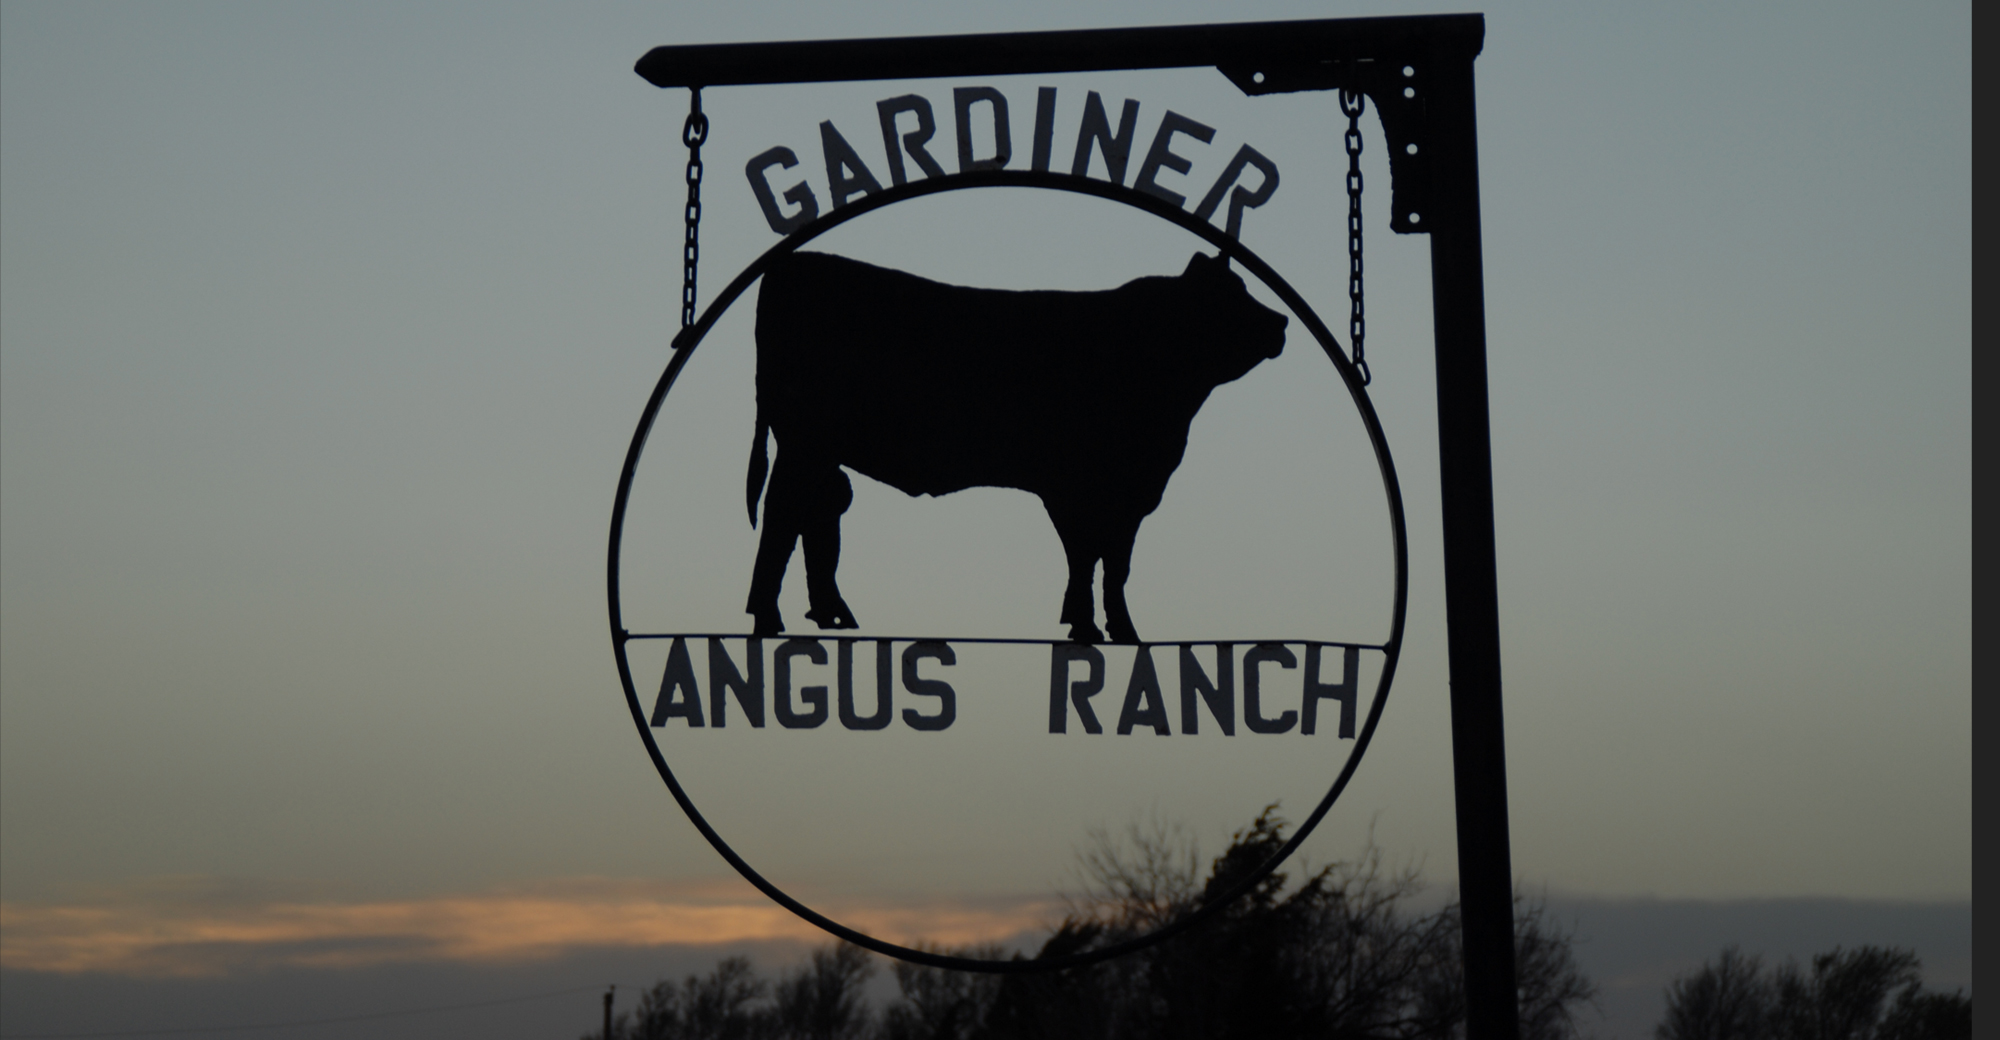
{"x":179,"y":933}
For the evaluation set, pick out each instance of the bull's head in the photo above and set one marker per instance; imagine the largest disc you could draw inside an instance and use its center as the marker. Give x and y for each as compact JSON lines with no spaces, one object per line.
{"x":1239,"y":332}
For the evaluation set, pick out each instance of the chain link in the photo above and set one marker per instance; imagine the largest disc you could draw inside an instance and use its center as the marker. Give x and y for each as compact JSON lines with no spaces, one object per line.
{"x":693,"y":133}
{"x":1352,"y":102}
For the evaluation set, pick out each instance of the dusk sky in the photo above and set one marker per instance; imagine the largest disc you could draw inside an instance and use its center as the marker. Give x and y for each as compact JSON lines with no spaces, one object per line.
{"x":324,"y":329}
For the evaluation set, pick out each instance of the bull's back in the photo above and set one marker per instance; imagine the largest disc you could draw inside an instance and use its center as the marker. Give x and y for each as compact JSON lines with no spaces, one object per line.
{"x":934,"y":388}
{"x":829,"y":314}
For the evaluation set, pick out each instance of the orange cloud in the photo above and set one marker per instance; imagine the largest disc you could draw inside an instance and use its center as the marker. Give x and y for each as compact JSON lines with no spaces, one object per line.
{"x":184,"y":929}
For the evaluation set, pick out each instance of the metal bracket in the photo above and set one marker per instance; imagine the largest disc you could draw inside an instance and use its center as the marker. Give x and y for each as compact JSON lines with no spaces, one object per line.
{"x":1396,"y":89}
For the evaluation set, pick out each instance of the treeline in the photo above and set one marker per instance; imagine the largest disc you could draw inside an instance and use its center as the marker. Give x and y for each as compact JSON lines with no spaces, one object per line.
{"x":1868,"y":993}
{"x":1341,"y":954}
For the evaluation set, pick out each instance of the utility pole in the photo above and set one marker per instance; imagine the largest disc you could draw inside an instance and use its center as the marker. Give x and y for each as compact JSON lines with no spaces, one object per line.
{"x":607,"y":1010}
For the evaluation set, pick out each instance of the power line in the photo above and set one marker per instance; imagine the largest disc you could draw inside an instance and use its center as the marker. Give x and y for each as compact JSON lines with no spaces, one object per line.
{"x":294,"y":1025}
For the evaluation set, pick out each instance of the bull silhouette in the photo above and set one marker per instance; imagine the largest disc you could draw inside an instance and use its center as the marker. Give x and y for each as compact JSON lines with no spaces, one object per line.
{"x":1082,"y":398}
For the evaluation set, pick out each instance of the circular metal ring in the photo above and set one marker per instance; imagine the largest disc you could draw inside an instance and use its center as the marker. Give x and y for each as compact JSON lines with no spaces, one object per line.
{"x":691,"y":336}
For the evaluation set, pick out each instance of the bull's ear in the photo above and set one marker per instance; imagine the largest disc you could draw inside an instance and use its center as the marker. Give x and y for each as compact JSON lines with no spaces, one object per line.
{"x":1198,"y":263}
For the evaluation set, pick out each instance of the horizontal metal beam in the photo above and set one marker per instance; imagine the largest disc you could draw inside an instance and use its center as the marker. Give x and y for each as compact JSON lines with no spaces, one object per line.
{"x":1084,"y":50}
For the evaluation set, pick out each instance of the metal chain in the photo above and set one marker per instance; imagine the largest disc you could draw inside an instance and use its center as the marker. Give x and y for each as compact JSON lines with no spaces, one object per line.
{"x":1351,"y":103}
{"x":693,"y":133}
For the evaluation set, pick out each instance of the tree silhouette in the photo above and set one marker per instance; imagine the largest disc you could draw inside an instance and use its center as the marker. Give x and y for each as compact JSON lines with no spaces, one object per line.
{"x":1340,"y":954}
{"x":1727,"y":1000}
{"x":942,"y":1005}
{"x":1927,"y":1016}
{"x":1846,"y":996}
{"x":722,"y":1006}
{"x":822,"y":999}
{"x":1337,"y":956}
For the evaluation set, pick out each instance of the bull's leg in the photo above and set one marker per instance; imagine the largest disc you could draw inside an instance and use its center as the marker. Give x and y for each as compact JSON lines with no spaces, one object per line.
{"x":774,"y":553}
{"x":1079,"y":609}
{"x":1118,"y":567}
{"x":832,"y":494}
{"x":787,"y":501}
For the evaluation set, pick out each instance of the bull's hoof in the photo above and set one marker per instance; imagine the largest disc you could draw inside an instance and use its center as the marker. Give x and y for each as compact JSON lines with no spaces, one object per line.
{"x":1087,"y":632}
{"x":766,"y":622}
{"x":831,"y":619}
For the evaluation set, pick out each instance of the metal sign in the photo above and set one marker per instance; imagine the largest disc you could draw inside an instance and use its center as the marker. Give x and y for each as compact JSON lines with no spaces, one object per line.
{"x":914,"y":448}
{"x":1083,"y":398}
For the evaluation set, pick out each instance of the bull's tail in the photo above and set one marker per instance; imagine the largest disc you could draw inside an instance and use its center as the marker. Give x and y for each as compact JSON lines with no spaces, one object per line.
{"x":759,"y":468}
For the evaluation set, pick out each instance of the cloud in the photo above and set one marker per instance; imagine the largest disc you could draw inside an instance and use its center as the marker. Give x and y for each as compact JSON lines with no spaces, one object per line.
{"x":201,"y":927}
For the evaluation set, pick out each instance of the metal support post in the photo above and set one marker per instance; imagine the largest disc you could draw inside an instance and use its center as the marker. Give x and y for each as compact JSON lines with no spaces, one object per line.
{"x":1472,"y":608}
